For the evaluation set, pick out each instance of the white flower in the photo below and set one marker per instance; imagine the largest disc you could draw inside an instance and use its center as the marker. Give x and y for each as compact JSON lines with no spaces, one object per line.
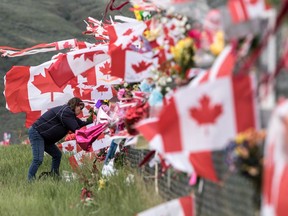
{"x":162,"y":81}
{"x":184,"y":19}
{"x":164,"y":20}
{"x":156,"y":77}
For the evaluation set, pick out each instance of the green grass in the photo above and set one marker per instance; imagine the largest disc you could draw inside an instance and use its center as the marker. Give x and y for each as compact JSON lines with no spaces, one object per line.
{"x":58,"y":197}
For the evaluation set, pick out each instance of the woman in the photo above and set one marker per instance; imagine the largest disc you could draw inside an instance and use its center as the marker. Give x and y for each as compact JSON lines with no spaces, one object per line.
{"x":51,"y":127}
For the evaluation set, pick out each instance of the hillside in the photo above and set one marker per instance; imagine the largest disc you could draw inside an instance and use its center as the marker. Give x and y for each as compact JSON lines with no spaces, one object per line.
{"x":25,"y":23}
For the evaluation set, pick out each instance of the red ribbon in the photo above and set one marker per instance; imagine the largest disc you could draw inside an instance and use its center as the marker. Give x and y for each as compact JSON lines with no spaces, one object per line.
{"x":112,"y":8}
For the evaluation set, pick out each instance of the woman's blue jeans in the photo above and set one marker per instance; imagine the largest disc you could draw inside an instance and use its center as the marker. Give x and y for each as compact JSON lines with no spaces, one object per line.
{"x":39,"y":145}
{"x":111,"y":152}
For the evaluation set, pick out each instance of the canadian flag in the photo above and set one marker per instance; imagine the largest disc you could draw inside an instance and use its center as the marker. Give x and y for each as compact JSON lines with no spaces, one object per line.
{"x":183,"y":206}
{"x":123,"y":34}
{"x":69,"y":147}
{"x":200,"y":119}
{"x":103,"y":71}
{"x":72,"y":64}
{"x":96,"y":28}
{"x":77,"y":159}
{"x":126,"y":63}
{"x":31,"y":88}
{"x":32,"y":116}
{"x":274,"y":193}
{"x":244,"y":10}
{"x":102,"y":141}
{"x":132,"y":66}
{"x":102,"y":92}
{"x":44,"y":47}
{"x":222,"y":66}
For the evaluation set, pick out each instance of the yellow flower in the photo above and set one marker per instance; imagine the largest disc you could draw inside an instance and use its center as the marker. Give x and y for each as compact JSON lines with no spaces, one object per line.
{"x":101,"y":183}
{"x":218,"y":45}
{"x":240,"y":138}
{"x":181,"y":49}
{"x":137,"y":13}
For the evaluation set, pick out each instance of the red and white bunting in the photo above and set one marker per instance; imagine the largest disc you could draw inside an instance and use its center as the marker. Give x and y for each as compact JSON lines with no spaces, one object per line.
{"x":45,"y":47}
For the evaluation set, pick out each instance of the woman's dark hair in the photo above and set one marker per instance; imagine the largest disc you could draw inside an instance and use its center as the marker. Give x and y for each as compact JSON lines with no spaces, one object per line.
{"x":75,"y":101}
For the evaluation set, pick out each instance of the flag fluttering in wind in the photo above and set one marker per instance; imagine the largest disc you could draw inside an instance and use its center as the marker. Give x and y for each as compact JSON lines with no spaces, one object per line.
{"x":194,"y":119}
{"x":275,"y":178}
{"x":71,"y":64}
{"x":244,"y":10}
{"x":31,"y":88}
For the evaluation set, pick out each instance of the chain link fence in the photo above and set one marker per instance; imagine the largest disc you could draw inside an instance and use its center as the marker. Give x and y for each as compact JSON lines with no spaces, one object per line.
{"x":234,"y":196}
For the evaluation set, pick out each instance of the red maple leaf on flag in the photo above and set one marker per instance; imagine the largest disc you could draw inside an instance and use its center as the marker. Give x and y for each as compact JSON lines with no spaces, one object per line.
{"x":69,"y":147}
{"x":141,"y":66}
{"x":46,"y":84}
{"x":135,"y":38}
{"x":206,"y":113}
{"x":102,"y":88}
{"x":106,"y":69}
{"x":88,"y":55}
{"x":128,"y":32}
{"x":67,"y":45}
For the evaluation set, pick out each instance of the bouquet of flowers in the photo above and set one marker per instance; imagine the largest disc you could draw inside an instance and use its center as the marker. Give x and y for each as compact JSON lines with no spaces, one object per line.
{"x":245,"y":153}
{"x":183,"y":56}
{"x":135,"y":114}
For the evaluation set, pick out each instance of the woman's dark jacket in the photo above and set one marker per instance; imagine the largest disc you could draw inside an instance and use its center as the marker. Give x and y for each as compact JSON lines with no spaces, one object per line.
{"x":54,"y":124}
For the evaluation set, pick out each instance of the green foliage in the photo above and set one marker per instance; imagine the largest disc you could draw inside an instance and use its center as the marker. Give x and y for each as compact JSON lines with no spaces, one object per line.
{"x":130,"y":196}
{"x":274,"y":2}
{"x":59,"y":197}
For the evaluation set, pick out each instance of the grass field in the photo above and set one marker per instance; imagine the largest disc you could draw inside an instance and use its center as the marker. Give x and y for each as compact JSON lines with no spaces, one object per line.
{"x":59,"y":197}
